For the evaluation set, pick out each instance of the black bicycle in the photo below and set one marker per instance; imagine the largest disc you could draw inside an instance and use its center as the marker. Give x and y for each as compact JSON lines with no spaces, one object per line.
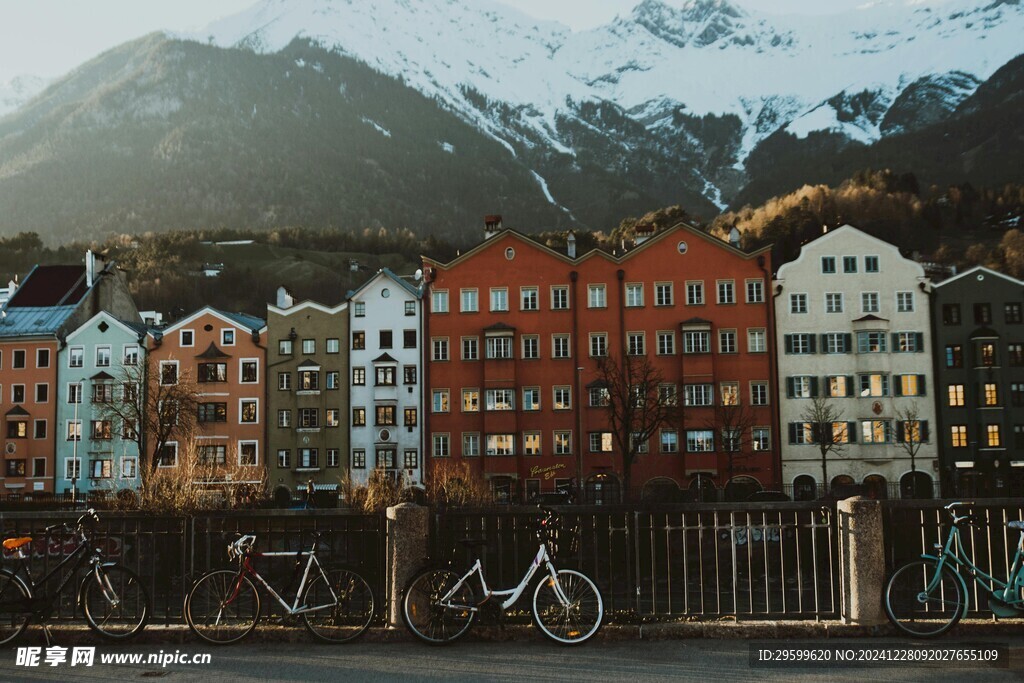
{"x":113,"y":600}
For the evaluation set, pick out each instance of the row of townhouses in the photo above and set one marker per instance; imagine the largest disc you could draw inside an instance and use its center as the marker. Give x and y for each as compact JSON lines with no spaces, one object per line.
{"x":847,"y":369}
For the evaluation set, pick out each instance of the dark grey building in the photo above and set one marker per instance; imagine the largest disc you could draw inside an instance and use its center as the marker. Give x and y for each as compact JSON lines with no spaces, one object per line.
{"x":979,"y":344}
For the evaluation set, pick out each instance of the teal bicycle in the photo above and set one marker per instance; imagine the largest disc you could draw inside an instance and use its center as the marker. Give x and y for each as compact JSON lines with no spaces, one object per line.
{"x":928,"y":596}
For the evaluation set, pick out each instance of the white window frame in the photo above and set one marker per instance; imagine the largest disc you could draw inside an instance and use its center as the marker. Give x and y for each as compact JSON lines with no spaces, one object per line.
{"x":241,"y":363}
{"x":181,"y":338}
{"x":241,"y":403}
{"x":256,"y":444}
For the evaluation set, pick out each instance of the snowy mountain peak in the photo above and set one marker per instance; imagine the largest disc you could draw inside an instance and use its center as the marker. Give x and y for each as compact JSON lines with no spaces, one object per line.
{"x":698,"y":22}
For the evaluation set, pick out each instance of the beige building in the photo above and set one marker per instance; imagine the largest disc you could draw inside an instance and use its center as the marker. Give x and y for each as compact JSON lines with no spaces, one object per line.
{"x":307,"y":398}
{"x":852,"y":320}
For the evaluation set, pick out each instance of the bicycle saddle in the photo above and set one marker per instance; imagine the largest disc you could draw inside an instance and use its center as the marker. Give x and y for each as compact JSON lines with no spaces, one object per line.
{"x":1016,"y":524}
{"x":473,"y":542}
{"x":15,"y":543}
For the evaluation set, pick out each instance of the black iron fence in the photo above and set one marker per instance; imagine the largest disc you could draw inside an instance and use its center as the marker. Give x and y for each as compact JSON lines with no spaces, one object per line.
{"x":770,"y":560}
{"x":915,"y":527}
{"x":169,"y":553}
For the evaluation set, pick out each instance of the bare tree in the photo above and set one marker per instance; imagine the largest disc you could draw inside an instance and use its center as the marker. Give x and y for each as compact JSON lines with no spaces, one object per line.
{"x":824,"y":420}
{"x":152,"y":410}
{"x":636,"y":408}
{"x":910,"y":435}
{"x":733,"y":422}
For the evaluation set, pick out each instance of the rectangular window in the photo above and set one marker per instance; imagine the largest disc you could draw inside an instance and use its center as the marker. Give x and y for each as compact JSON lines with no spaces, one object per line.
{"x":409,"y":417}
{"x":187,"y":338}
{"x":874,"y":385}
{"x":531,"y":443}
{"x":284,"y":418}
{"x":531,"y":347}
{"x":828,"y":265}
{"x":839,"y":386}
{"x":43,"y":358}
{"x":986,"y":355}
{"x":909,"y":385}
{"x":470,"y":400}
{"x":636,"y":343}
{"x":359,"y":417}
{"x":560,"y":346}
{"x":698,"y":394}
{"x":500,"y":444}
{"x":1013,"y":313}
{"x":439,"y":347}
{"x":385,"y":339}
{"x":75,"y":392}
{"x":17,"y":393}
{"x":950,"y":314}
{"x":802,"y":386}
{"x":359,"y":458}
{"x":468,"y":301}
{"x":284,"y":347}
{"x":359,"y":377}
{"x":103,"y":356}
{"x":333,"y":345}
{"x":876,"y":431}
{"x":908,"y":342}
{"x":529,"y":300}
{"x":410,"y":459}
{"x":598,"y":344}
{"x":212,"y":372}
{"x":332,"y":417}
{"x":727,"y":341}
{"x":408,"y":339}
{"x":439,"y":401}
{"x":990,"y":394}
{"x":871,"y":342}
{"x":756,"y":340}
{"x":955,"y":394}
{"x":500,"y":399}
{"x":954,"y":356}
{"x":596,"y":296}
{"x":600,"y":442}
{"x":599,"y":397}
{"x":959,"y":435}
{"x":634,"y":294}
{"x":869,"y":302}
{"x":700,"y":441}
{"x":76,"y":356}
{"x":531,"y":398}
{"x":759,"y":393}
{"x":726,"y":292}
{"x":696,"y":342}
{"x":308,"y":458}
{"x":761,"y":438}
{"x":409,"y":374}
{"x":559,"y":298}
{"x":39,"y":429}
{"x":694,"y":293}
{"x":870,"y":264}
{"x":470,"y":444}
{"x":359,"y":340}
{"x":904,"y":302}
{"x":249,"y":411}
{"x":470,"y":348}
{"x":563,"y":443}
{"x":802,"y":343}
{"x":499,"y":347}
{"x":168,"y":372}
{"x":797,"y":303}
{"x":385,"y":375}
{"x":410,"y":310}
{"x":755,"y":291}
{"x":499,"y":299}
{"x":849,"y":264}
{"x":43,"y":393}
{"x":384,"y":416}
{"x":439,"y":301}
{"x":333,"y":380}
{"x":309,"y":418}
{"x":666,"y":343}
{"x":669,"y":441}
{"x":250,"y":373}
{"x":562,"y":398}
{"x":213,"y":412}
{"x":833,"y":302}
{"x":129,"y":467}
{"x":359,"y":309}
{"x":213,"y":454}
{"x":993,"y":438}
{"x":730,"y":393}
{"x":836,"y":342}
{"x":663,"y":295}
{"x":1015,"y":355}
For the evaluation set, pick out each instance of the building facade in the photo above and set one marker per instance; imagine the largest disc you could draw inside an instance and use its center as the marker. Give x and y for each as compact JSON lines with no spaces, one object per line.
{"x":220,"y":357}
{"x":97,"y":448}
{"x":50,"y":303}
{"x":979,"y":348}
{"x":385,"y":319}
{"x":517,"y":335}
{"x":307,"y":397}
{"x":855,"y":352}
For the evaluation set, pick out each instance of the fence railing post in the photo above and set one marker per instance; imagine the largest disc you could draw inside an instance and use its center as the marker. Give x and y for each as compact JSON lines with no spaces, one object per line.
{"x":862,"y":560}
{"x":408,"y":531}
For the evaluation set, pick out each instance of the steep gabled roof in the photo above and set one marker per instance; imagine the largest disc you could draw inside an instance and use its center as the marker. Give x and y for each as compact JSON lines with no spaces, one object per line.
{"x":981,"y":270}
{"x":240,"y":320}
{"x":132,"y":328}
{"x":51,"y":286}
{"x":388,"y":273}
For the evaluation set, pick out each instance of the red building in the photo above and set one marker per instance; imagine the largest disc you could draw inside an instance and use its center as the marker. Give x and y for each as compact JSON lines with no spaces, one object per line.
{"x":515,"y":334}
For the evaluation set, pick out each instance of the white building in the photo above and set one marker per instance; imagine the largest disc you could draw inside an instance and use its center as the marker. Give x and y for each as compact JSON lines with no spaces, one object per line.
{"x":853,"y":327}
{"x":385,"y":326}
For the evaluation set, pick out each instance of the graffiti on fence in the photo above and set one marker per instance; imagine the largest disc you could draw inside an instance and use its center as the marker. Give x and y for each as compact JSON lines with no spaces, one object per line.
{"x":59,"y":546}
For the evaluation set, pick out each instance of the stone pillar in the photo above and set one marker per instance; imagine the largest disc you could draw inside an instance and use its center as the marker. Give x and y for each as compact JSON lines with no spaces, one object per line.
{"x":862,"y":560}
{"x":408,"y":532}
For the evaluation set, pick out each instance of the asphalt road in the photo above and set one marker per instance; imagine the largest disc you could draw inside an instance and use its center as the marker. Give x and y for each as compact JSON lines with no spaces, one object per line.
{"x":669,"y":660}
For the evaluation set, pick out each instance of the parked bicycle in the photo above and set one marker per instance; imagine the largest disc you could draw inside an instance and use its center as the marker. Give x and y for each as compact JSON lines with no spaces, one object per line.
{"x":439,"y":606}
{"x":113,"y":600}
{"x":336,"y":604}
{"x":928,"y":596}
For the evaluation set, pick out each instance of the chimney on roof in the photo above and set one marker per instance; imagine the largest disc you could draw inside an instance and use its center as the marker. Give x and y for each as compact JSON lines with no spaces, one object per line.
{"x":284,"y":299}
{"x":492,"y":226}
{"x":570,"y":244}
{"x":734,"y":237}
{"x":643,"y":233}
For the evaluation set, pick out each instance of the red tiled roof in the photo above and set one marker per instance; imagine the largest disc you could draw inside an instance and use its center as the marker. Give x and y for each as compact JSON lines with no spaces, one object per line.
{"x":51,"y":286}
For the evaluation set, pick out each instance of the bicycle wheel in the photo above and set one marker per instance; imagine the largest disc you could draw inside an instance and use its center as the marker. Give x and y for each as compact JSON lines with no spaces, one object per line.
{"x":427,"y":618}
{"x":115,"y":602}
{"x":920,"y":612}
{"x":574,"y":620}
{"x":14,"y":617}
{"x":350,"y":610}
{"x":222,"y":607}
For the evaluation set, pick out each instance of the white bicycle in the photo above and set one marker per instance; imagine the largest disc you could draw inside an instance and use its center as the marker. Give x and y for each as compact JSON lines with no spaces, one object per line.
{"x":439,"y":607}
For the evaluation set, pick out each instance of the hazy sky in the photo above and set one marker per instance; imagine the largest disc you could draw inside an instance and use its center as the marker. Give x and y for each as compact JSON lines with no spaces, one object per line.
{"x":50,"y":37}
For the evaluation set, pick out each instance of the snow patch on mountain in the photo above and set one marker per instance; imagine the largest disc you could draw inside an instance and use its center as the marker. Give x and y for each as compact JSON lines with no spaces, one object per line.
{"x":18,"y":91}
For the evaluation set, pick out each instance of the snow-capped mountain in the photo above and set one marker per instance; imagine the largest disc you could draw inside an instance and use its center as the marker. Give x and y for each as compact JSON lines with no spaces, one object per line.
{"x":842,"y":73}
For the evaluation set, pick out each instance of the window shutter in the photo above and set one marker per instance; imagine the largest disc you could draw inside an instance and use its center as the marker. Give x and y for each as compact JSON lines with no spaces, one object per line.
{"x":847,"y":342}
{"x":789,"y":387}
{"x":824,"y":343}
{"x":851,"y":431}
{"x":850,"y":391}
{"x":812,"y":339}
{"x":815,"y":432}
{"x":789,"y":343}
{"x":920,"y":341}
{"x":895,"y":342}
{"x":921,"y":389}
{"x":814,"y":387}
{"x":897,"y":389}
{"x":900,"y":432}
{"x":792,"y":432}
{"x":924,"y":431}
